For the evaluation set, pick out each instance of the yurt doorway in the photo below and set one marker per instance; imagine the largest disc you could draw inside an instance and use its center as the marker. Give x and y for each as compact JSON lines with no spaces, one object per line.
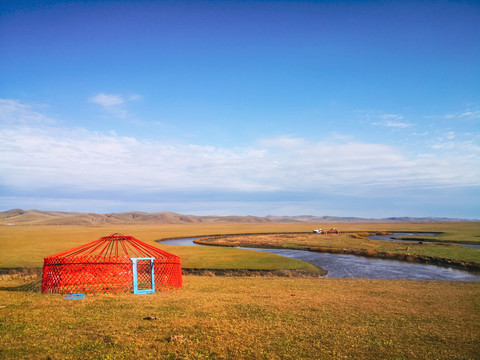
{"x":143,"y":275}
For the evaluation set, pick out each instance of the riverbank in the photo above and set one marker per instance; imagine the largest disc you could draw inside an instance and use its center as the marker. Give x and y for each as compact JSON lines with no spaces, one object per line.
{"x":359,"y":245}
{"x":412,"y":258}
{"x":252,"y":272}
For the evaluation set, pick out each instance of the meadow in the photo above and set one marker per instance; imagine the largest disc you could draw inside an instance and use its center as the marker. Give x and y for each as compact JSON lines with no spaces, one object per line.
{"x":250,"y":318}
{"x":234,"y":317}
{"x":26,"y":246}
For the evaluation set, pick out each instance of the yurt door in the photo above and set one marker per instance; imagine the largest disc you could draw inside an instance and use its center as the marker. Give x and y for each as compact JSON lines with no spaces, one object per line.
{"x":143,"y":275}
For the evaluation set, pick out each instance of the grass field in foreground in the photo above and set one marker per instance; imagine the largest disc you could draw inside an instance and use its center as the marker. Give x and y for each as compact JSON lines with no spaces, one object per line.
{"x":249,"y":318}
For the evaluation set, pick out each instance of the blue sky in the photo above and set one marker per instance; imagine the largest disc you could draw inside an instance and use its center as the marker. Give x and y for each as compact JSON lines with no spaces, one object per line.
{"x":345,"y":108}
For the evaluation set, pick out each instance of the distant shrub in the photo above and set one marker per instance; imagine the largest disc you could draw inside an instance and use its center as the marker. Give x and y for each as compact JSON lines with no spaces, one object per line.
{"x":364,"y":234}
{"x":361,"y":235}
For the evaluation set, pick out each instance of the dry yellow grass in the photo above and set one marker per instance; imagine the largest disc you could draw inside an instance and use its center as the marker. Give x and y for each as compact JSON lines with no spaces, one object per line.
{"x":250,"y":318}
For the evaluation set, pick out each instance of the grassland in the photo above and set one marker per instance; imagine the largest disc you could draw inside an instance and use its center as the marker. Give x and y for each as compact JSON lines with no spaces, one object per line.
{"x":26,"y":246}
{"x":249,"y":318}
{"x":234,"y":317}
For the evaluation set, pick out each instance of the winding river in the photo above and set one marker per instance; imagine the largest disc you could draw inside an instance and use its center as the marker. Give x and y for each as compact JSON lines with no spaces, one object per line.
{"x":351,"y":266}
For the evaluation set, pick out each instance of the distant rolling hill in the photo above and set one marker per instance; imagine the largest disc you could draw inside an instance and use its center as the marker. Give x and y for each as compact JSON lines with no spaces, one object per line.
{"x":332,"y":219}
{"x":39,"y":217}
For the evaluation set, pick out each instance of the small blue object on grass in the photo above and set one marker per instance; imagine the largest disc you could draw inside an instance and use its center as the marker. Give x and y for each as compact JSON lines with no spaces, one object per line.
{"x":75,"y":296}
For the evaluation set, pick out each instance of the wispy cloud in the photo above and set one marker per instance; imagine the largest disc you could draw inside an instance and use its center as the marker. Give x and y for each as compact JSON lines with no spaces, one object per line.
{"x":465,"y":115}
{"x":474,"y":115}
{"x":469,"y":147}
{"x":450,"y":135}
{"x":114,"y":103}
{"x":284,"y":141}
{"x":389,"y":120}
{"x":14,"y":112}
{"x":392,"y":121}
{"x":390,"y":117}
{"x":107,"y":100}
{"x":393,"y":124}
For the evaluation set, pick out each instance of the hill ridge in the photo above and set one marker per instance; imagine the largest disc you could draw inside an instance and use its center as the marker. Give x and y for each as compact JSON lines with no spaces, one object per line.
{"x":44,"y":217}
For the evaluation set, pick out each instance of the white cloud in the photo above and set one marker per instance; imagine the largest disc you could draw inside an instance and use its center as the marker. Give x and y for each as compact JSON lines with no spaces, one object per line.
{"x":397,"y":124}
{"x":468,"y":147}
{"x":425,"y":133}
{"x":135,"y":97}
{"x":391,"y":117}
{"x":474,"y":115}
{"x":114,"y":103}
{"x":41,"y":156}
{"x":14,"y":112}
{"x":466,"y":115}
{"x":393,"y":124}
{"x":284,"y":141}
{"x":389,"y":120}
{"x":107,"y":100}
{"x":462,"y":144}
{"x":450,"y":135}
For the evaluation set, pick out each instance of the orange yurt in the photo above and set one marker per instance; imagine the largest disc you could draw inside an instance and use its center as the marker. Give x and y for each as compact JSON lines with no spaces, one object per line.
{"x":112,"y":264}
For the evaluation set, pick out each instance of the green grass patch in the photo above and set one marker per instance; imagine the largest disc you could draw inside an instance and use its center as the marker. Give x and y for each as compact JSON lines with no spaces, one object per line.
{"x":228,"y":258}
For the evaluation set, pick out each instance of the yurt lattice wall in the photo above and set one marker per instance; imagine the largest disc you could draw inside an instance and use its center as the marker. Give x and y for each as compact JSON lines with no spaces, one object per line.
{"x":111,"y":264}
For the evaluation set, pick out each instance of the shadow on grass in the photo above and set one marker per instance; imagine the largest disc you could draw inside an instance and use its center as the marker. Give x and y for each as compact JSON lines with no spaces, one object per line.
{"x":35,"y":286}
{"x":32,"y":278}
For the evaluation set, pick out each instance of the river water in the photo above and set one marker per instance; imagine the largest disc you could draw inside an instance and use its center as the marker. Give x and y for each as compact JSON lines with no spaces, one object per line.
{"x":351,"y":266}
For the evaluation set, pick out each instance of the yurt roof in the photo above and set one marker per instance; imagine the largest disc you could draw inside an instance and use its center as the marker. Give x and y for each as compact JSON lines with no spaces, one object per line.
{"x":115,"y":246}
